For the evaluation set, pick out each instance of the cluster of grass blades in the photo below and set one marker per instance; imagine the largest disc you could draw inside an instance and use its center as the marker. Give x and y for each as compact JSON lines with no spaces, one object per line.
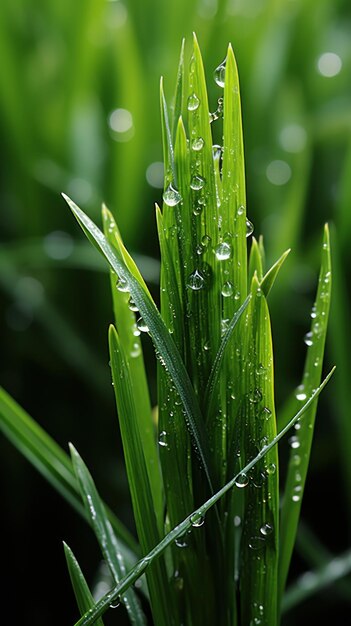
{"x":214,"y":546}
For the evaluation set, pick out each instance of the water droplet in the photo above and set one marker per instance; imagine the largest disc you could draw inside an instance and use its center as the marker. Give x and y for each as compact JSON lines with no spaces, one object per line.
{"x":296,"y":498}
{"x":197,"y":210}
{"x":237,"y":295}
{"x":271,"y":469}
{"x":181,"y":542}
{"x":294,"y":442}
{"x":136,"y":350}
{"x":308,"y":339}
{"x":206,"y":346}
{"x":122,"y":284}
{"x":249,"y":228}
{"x":266,"y":529}
{"x":193,"y":102}
{"x":171,"y":196}
{"x":131,"y":304}
{"x":162,"y":439}
{"x":199,"y":249}
{"x":197,"y":520}
{"x":237,"y":521}
{"x":219,"y":74}
{"x":223,"y":251}
{"x":241,"y":209}
{"x":206,"y":240}
{"x":216,"y":151}
{"x":116,"y":603}
{"x":141,"y":326}
{"x":198,"y":144}
{"x":227,"y":289}
{"x":241,"y":481}
{"x":196,"y":281}
{"x":314,"y":312}
{"x":255,"y":396}
{"x":266,"y":413}
{"x":300,"y":393}
{"x":197,"y":182}
{"x":256,"y":543}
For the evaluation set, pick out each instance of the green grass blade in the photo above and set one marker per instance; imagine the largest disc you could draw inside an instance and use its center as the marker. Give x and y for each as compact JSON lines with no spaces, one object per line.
{"x":313,"y":582}
{"x":260,"y":533}
{"x":130,"y":341}
{"x":255,"y":261}
{"x":159,"y":333}
{"x":80,"y":587}
{"x":179,"y":93}
{"x":302,"y":440}
{"x":210,"y":396}
{"x":138,"y":478}
{"x":103,"y":604}
{"x":53,"y":464}
{"x":270,"y":276}
{"x":105,"y":535}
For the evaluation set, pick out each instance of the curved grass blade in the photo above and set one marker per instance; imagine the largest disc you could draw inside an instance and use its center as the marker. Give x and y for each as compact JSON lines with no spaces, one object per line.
{"x":132,"y":350}
{"x":54,"y":465}
{"x":103,"y":604}
{"x":105,"y":535}
{"x":164,"y":344}
{"x":301,"y":442}
{"x":270,"y":276}
{"x":80,"y":587}
{"x":313,"y":582}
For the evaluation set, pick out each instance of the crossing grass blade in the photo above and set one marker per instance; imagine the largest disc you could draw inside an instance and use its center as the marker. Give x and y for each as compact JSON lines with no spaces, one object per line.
{"x":159,"y":333}
{"x":269,"y":278}
{"x":54,"y":465}
{"x":105,"y":535}
{"x":103,"y":604}
{"x":301,"y":441}
{"x":80,"y":587}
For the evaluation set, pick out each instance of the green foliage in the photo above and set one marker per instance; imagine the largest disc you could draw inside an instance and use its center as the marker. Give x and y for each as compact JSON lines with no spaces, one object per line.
{"x":65,"y":144}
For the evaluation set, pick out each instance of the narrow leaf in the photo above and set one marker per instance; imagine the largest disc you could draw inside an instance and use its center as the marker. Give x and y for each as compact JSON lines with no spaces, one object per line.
{"x":80,"y":587}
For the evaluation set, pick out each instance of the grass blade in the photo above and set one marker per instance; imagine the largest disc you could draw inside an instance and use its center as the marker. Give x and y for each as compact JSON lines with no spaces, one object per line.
{"x":302,"y":440}
{"x":159,"y":333}
{"x":141,"y":494}
{"x":53,"y":464}
{"x":80,"y":587}
{"x":103,"y":604}
{"x":270,"y":276}
{"x":132,"y":350}
{"x":314,"y":582}
{"x":260,"y":532}
{"x":105,"y":535}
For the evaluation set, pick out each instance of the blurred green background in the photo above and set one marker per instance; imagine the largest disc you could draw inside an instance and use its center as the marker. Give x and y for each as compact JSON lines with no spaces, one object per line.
{"x":79,"y":113}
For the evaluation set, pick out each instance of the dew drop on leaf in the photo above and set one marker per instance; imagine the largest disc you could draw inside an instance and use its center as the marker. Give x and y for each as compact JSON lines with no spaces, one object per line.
{"x":227,"y":289}
{"x":249,"y":228}
{"x":197,"y":182}
{"x":141,"y":326}
{"x":193,"y":102}
{"x":223,"y":251}
{"x":266,"y":529}
{"x":219,"y":74}
{"x":198,"y":144}
{"x":241,"y":481}
{"x":171,"y":196}
{"x":256,"y":543}
{"x":162,"y":439}
{"x":197,"y":520}
{"x":196,"y":281}
{"x":122,"y":284}
{"x":308,"y":339}
{"x":300,"y":393}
